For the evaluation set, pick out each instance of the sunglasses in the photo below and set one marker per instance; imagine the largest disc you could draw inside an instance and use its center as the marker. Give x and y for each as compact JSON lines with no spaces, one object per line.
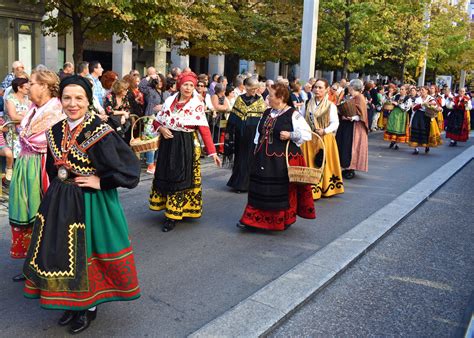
{"x":200,"y":85}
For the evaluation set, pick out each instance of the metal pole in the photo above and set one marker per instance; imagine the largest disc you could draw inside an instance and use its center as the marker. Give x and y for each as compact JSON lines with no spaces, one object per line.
{"x":421,"y":79}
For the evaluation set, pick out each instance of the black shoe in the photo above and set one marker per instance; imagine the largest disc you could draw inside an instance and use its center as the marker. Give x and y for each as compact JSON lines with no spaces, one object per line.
{"x":168,"y":225}
{"x":350,"y":174}
{"x":391,"y":145}
{"x":19,"y":278}
{"x":82,"y":321}
{"x":415,"y":152}
{"x":396,"y":147}
{"x":453,"y":143}
{"x":67,"y":317}
{"x":241,"y":226}
{"x":427,"y":150}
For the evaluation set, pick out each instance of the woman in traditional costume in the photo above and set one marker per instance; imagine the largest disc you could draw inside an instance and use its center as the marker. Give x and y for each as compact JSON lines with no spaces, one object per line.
{"x":177,"y":183}
{"x":459,"y":117}
{"x":387,"y":107}
{"x":435,"y":94}
{"x":274,"y":202}
{"x":80,"y":255}
{"x":241,"y":128}
{"x":352,"y":135}
{"x":29,"y":180}
{"x":321,"y":116}
{"x":398,"y":123}
{"x":424,"y":130}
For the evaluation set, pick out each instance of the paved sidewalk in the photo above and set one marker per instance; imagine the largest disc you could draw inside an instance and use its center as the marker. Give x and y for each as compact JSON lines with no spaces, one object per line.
{"x":418,"y":281}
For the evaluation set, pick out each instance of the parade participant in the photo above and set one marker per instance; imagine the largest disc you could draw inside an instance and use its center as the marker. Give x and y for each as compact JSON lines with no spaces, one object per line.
{"x":29,"y":180}
{"x":80,"y":254}
{"x":241,"y":127}
{"x":274,"y":202}
{"x":177,"y":184}
{"x":434,"y":93}
{"x":448,"y":97}
{"x":424,"y":130}
{"x":387,"y":106}
{"x":398,"y":122}
{"x":458,"y":123}
{"x":321,"y":116}
{"x":352,"y":134}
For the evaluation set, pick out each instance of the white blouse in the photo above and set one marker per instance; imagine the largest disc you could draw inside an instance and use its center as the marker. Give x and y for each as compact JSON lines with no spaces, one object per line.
{"x":301,"y":130}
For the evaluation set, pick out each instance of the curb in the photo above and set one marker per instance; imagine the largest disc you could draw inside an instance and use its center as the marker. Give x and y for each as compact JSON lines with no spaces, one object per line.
{"x":470,"y":328}
{"x":265,"y":309}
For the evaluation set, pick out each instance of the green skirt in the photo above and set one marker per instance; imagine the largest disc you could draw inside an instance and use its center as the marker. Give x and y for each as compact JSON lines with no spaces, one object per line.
{"x":25,"y":191}
{"x":93,"y":260}
{"x":396,"y":123}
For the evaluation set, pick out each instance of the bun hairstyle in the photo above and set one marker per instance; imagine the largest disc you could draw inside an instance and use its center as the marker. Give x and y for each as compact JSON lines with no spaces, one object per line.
{"x":48,"y":78}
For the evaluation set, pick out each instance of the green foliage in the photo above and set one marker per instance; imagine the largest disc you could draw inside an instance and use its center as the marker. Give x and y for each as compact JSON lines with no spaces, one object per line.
{"x":351,"y":34}
{"x":384,"y":36}
{"x":449,"y":47}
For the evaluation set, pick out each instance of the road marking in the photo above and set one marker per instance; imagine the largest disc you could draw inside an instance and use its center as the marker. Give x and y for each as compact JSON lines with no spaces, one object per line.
{"x":423,"y":282}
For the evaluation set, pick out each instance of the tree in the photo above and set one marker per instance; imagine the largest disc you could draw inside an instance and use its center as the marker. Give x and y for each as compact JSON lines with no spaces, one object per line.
{"x":406,"y":34}
{"x":351,"y":34}
{"x":266,"y":30}
{"x":141,"y":21}
{"x":449,"y":43}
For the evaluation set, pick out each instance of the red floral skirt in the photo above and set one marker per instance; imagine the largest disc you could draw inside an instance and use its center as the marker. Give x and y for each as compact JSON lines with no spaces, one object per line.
{"x":301,"y":204}
{"x":21,"y":238}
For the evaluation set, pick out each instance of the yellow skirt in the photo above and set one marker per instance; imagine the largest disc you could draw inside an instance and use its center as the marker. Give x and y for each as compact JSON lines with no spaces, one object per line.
{"x":331,"y":182}
{"x":435,"y":135}
{"x":184,"y":203}
{"x":440,"y":120}
{"x":382,"y":121}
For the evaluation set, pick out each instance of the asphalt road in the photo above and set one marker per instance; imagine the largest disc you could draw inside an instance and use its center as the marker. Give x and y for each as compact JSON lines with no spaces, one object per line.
{"x":204,"y":267}
{"x":416,"y":282}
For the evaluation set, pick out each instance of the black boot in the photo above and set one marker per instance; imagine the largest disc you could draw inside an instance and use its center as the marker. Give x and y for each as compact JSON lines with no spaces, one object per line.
{"x":82,"y":321}
{"x":427,"y":150}
{"x":391,"y":145}
{"x":67,"y":317}
{"x":168,"y":225}
{"x":19,"y":278}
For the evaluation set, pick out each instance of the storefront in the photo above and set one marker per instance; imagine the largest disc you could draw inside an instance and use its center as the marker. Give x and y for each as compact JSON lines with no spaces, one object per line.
{"x":20,"y":31}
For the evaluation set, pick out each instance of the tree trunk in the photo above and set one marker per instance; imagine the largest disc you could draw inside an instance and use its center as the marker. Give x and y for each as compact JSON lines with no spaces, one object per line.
{"x":403,"y":68}
{"x":78,"y":38}
{"x":347,"y":40}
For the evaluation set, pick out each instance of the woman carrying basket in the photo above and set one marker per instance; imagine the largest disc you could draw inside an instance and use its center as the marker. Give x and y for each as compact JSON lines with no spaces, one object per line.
{"x":274,"y":202}
{"x":177,"y":183}
{"x":321,"y":115}
{"x":397,"y":130}
{"x":424,"y":130}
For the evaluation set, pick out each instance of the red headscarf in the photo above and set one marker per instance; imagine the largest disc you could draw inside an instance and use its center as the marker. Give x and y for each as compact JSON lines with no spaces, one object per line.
{"x":185,"y":77}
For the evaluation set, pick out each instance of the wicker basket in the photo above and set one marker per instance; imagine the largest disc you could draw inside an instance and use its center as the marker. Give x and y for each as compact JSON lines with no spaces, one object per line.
{"x":431,"y":112}
{"x":347,"y":108}
{"x":388,"y":106}
{"x":305,"y":175}
{"x":142,"y":146}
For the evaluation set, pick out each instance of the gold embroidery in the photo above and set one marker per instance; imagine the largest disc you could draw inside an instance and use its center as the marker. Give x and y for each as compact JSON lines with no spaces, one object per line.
{"x":71,"y":241}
